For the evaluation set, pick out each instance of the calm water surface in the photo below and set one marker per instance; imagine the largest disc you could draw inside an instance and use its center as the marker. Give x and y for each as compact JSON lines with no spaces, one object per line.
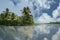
{"x":41,"y":32}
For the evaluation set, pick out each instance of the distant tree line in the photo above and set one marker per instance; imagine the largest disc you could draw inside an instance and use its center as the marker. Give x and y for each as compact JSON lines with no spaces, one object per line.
{"x":11,"y":19}
{"x":54,"y":23}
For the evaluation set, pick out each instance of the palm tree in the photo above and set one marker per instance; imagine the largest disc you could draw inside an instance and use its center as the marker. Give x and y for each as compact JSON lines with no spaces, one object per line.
{"x":26,"y":11}
{"x":6,"y":12}
{"x":26,"y":17}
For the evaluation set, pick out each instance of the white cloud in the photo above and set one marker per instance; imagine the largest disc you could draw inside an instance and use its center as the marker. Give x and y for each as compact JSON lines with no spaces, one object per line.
{"x":45,"y":18}
{"x":56,"y":12}
{"x":40,"y":5}
{"x":58,"y":20}
{"x":44,"y":4}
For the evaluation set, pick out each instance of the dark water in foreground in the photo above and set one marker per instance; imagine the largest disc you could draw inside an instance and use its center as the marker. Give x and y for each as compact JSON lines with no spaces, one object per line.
{"x":42,"y":32}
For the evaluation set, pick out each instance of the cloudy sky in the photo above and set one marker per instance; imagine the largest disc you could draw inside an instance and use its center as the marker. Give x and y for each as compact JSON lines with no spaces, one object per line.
{"x":42,"y":10}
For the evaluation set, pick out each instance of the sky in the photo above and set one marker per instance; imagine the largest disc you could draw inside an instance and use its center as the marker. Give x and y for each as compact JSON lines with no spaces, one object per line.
{"x":43,"y":11}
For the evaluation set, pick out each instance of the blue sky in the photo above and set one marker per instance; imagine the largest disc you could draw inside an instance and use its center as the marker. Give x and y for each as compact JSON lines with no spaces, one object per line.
{"x":42,"y":10}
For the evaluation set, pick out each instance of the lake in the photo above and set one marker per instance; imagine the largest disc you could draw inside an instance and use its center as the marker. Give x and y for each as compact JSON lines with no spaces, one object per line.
{"x":40,"y":32}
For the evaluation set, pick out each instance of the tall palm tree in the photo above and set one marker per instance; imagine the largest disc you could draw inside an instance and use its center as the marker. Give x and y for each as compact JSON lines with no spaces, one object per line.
{"x":27,"y":18}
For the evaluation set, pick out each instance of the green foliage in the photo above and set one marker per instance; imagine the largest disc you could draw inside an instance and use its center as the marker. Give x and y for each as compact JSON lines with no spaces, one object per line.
{"x":12,"y":16}
{"x":6,"y":12}
{"x":27,"y":17}
{"x":10,"y":19}
{"x":2,"y":16}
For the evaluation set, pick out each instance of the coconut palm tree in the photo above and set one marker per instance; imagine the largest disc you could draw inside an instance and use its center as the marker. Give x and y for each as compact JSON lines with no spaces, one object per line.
{"x":26,"y":12}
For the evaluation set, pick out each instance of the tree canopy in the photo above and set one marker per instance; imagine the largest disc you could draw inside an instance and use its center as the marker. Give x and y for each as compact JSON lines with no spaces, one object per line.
{"x":11,"y":19}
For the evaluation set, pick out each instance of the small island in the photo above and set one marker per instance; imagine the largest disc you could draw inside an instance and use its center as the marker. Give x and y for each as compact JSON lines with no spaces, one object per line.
{"x":8,"y":18}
